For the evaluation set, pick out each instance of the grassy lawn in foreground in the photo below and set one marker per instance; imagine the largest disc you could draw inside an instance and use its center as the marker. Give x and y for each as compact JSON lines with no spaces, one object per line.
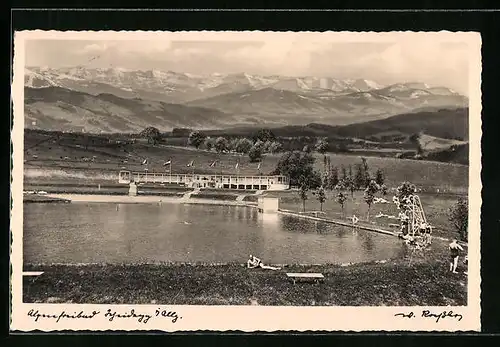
{"x":394,"y":283}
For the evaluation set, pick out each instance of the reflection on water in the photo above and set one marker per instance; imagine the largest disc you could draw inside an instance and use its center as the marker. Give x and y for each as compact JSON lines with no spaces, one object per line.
{"x":271,"y":220}
{"x":125,"y":233}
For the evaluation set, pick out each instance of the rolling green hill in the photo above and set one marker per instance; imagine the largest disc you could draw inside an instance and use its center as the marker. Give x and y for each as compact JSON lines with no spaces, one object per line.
{"x":445,"y":123}
{"x":450,"y":124}
{"x":56,"y":108}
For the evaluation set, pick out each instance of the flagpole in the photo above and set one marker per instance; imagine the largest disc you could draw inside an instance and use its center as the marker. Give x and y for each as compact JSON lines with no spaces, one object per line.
{"x":170,"y":171}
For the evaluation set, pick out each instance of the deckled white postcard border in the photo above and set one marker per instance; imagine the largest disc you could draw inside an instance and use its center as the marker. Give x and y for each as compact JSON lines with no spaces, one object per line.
{"x":248,"y":318}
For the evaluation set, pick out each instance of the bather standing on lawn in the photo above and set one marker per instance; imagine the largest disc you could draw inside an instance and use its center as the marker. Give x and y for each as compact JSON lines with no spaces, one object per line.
{"x":454,"y":250}
{"x":254,"y":262}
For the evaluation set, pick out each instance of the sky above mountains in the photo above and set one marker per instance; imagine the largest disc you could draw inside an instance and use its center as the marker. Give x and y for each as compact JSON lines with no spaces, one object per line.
{"x":437,"y":63}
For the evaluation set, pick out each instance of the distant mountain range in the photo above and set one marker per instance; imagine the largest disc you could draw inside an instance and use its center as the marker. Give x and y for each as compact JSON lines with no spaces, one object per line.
{"x":179,"y":87}
{"x":116,"y":99}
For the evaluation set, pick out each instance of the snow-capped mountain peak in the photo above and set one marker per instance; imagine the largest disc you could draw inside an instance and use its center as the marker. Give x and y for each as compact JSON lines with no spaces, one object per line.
{"x":179,"y":87}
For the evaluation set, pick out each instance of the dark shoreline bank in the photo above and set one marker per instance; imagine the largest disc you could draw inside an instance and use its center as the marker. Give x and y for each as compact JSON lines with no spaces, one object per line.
{"x":42,"y":199}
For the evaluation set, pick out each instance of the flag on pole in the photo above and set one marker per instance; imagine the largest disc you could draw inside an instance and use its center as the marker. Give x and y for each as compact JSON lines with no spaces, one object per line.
{"x":236,"y":167}
{"x":167,"y":163}
{"x":258,"y":166}
{"x":191,"y":163}
{"x":145,"y":161}
{"x":213,"y":164}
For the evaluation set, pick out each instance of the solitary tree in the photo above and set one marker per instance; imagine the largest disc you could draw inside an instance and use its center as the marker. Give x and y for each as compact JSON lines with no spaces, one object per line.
{"x":264,"y":135}
{"x":415,"y":140}
{"x":321,"y":196}
{"x":370,"y":192}
{"x":459,"y":216}
{"x":341,"y":197}
{"x":221,"y":144}
{"x":266,"y":147}
{"x":209,"y":143}
{"x":349,"y":182}
{"x":275,"y":147}
{"x":343,"y":173}
{"x":232,"y":144}
{"x":152,"y":134}
{"x":366,"y":172}
{"x":255,"y":153}
{"x":359,"y":177}
{"x":314,"y":180}
{"x":325,"y":182}
{"x":259,"y":144}
{"x":243,"y":145}
{"x":196,"y":138}
{"x":379,"y":177}
{"x":322,"y":147}
{"x":333,"y":178}
{"x":303,"y":189}
{"x":298,"y":165}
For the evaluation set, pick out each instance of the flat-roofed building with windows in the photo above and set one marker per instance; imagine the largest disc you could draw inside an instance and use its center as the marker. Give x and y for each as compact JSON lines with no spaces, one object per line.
{"x":259,"y":182}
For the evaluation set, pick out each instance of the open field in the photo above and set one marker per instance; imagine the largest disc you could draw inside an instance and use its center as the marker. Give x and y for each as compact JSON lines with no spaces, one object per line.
{"x":67,"y":159}
{"x":423,"y":280}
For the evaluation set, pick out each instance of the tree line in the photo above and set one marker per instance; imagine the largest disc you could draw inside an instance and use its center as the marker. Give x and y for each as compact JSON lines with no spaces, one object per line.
{"x":263,"y":142}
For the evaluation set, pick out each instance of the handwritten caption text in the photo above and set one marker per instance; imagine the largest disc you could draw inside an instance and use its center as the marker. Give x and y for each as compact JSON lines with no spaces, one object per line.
{"x":110,"y":314}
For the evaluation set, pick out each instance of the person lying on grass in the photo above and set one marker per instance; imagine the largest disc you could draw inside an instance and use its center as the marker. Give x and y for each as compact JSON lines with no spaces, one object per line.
{"x":455,"y":248}
{"x":254,"y":262}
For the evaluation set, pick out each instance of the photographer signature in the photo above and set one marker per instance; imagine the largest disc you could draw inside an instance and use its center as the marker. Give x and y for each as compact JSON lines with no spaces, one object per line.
{"x":432,"y":315}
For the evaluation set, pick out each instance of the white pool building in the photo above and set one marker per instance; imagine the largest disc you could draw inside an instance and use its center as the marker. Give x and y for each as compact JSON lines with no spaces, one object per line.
{"x":260,"y":182}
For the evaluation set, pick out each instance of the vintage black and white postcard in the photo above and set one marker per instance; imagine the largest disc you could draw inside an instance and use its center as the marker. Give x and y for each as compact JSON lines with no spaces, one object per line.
{"x":246,"y":181}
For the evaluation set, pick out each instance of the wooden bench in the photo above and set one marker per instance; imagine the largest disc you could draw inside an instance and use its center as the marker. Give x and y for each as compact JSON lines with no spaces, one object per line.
{"x":305,"y":276}
{"x":32,"y":273}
